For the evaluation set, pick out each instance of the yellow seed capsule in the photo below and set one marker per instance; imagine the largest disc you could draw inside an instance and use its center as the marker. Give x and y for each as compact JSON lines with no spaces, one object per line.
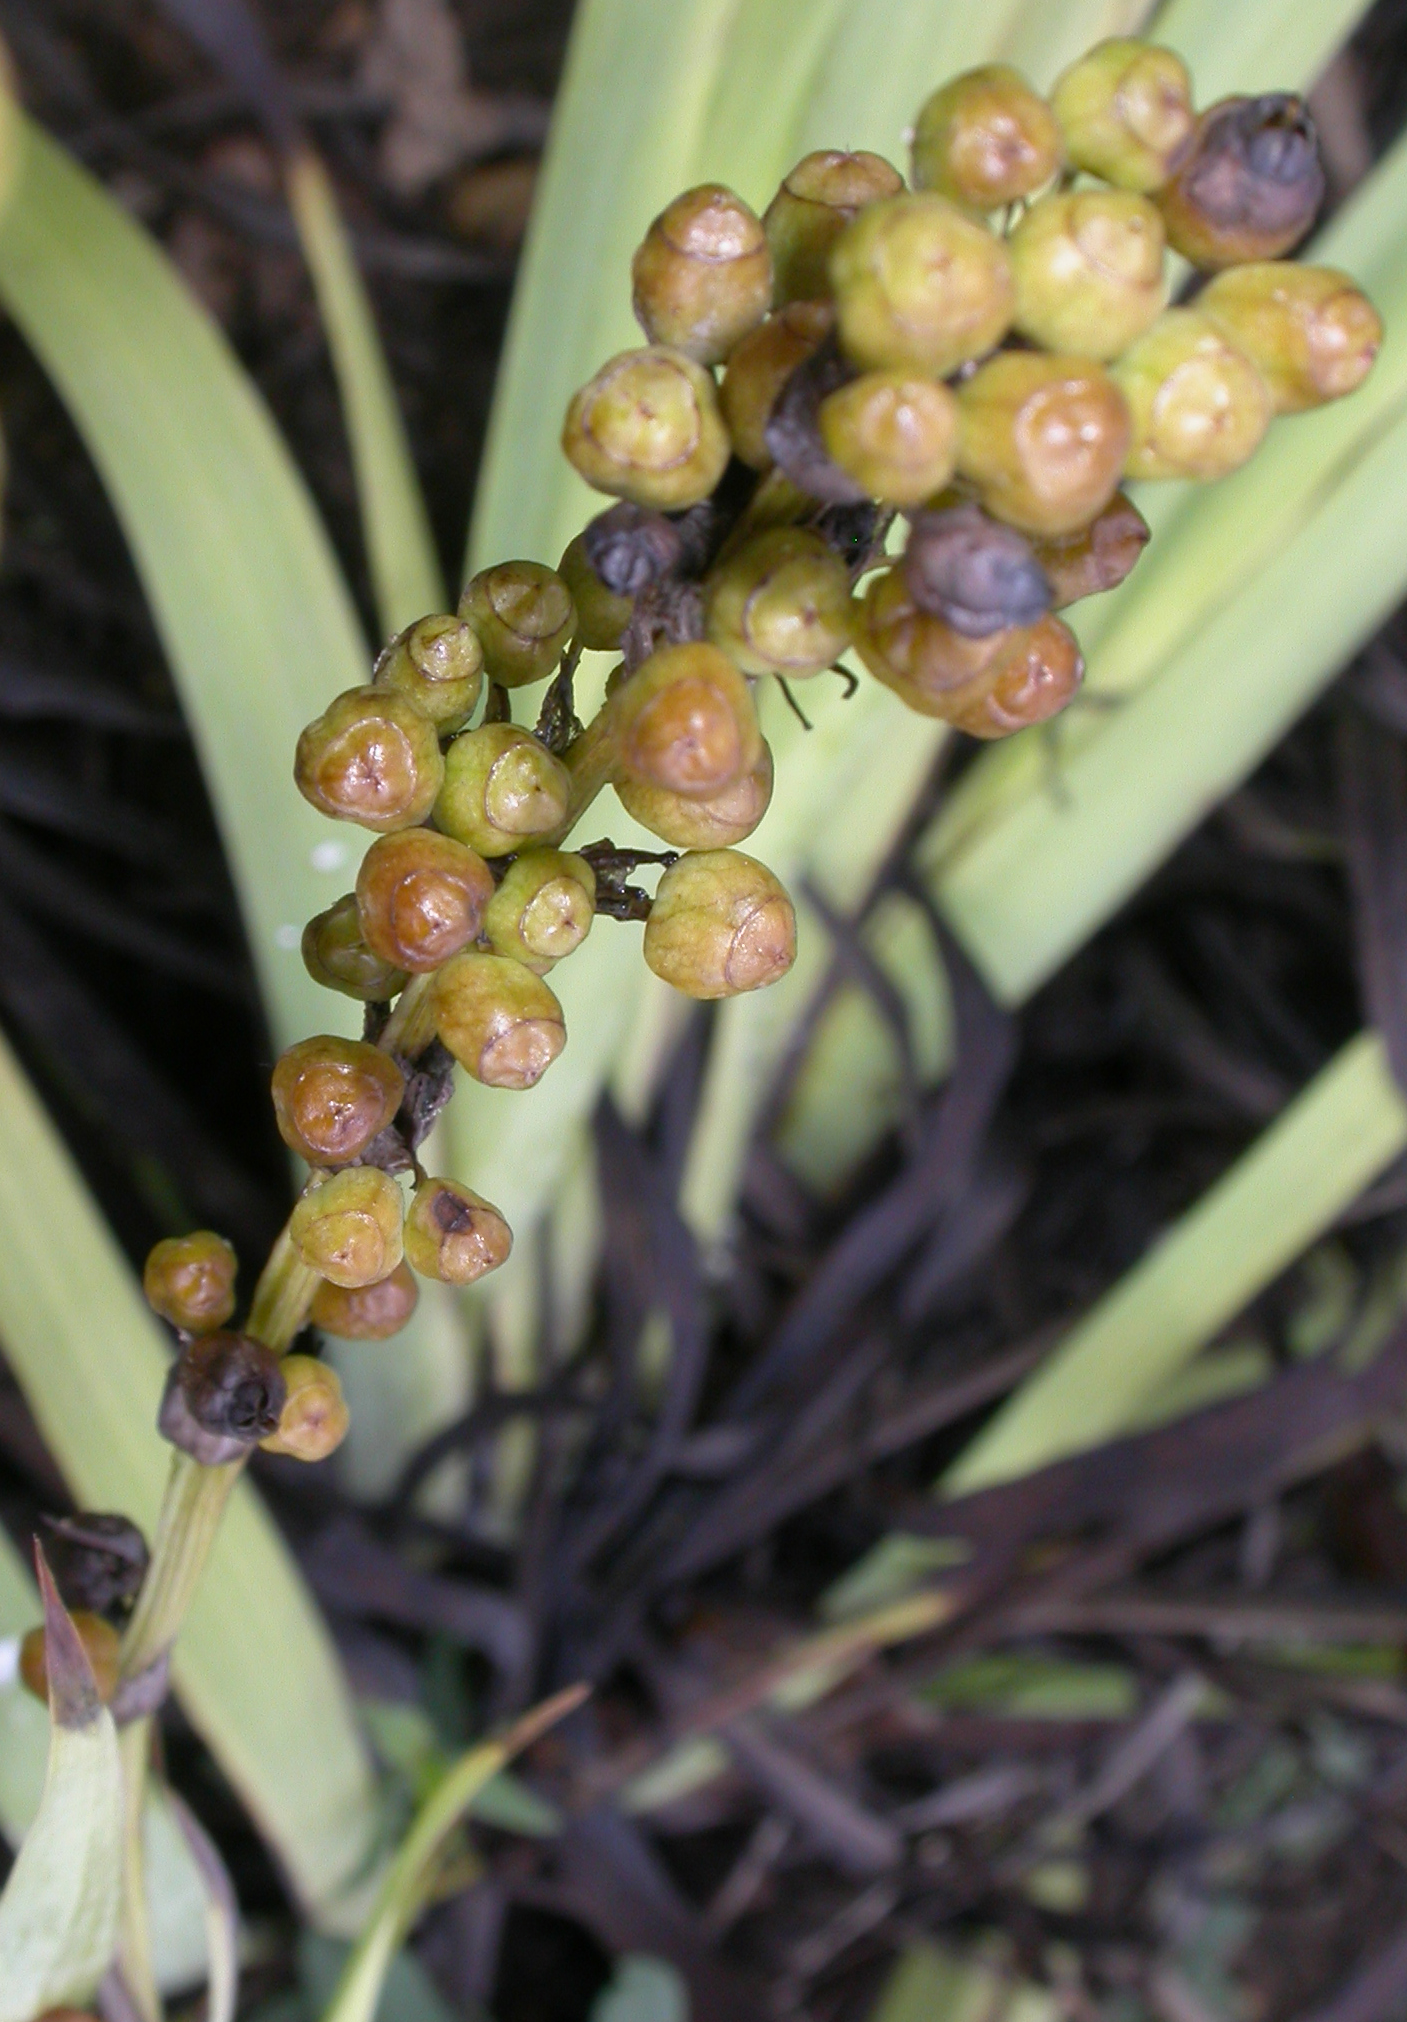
{"x":349,"y":1229}
{"x":1089,"y":271}
{"x":986,"y":139}
{"x":453,"y":1234}
{"x":685,"y":720}
{"x":894,"y":432}
{"x":1125,"y":110}
{"x":500,"y":1021}
{"x":314,"y":1419}
{"x":332,"y":1096}
{"x":438,"y":664}
{"x":522,"y":615}
{"x":720,"y":924}
{"x":502,"y":788}
{"x":371,"y":758}
{"x":1309,"y":331}
{"x":366,"y":1312}
{"x":760,"y":367}
{"x":812,"y":208}
{"x":648,"y":428}
{"x":335,"y":954}
{"x":703,"y":275}
{"x":421,"y":897}
{"x":190,"y":1281}
{"x":1096,"y":557}
{"x":780,"y":604}
{"x":543,"y":909}
{"x":1043,"y":438}
{"x":1249,"y":185}
{"x":601,"y":616}
{"x":1199,"y":406}
{"x":920,"y":285}
{"x":101,"y":1644}
{"x":725,"y":818}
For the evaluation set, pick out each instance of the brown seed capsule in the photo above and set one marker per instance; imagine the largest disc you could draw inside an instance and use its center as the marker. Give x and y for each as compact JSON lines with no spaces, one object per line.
{"x":190,"y":1280}
{"x":101,"y":1645}
{"x":703,"y":275}
{"x":349,"y":1229}
{"x":916,"y":653}
{"x":761,"y":366}
{"x":685,"y":720}
{"x":371,"y":758}
{"x":977,"y":575}
{"x":920,"y":285}
{"x":780,"y":604}
{"x":314,"y":1419}
{"x":1310,"y":333}
{"x":438,"y":664}
{"x":1249,"y":185}
{"x":647,"y":428}
{"x":601,"y":616}
{"x":724,"y":818}
{"x":895,"y":432}
{"x":503,"y":788}
{"x":523,"y":617}
{"x":1199,"y":407}
{"x":1036,"y":673}
{"x":543,"y":909}
{"x":232,"y":1385}
{"x":1089,"y":271}
{"x":809,"y":212}
{"x":421,"y":897}
{"x":98,"y":1560}
{"x":366,"y":1312}
{"x":1125,"y":110}
{"x":986,"y":139}
{"x":336,"y":955}
{"x":332,"y":1096}
{"x":500,"y":1021}
{"x":452,"y":1234}
{"x":1096,"y":557}
{"x":1043,"y":438}
{"x":720,"y":924}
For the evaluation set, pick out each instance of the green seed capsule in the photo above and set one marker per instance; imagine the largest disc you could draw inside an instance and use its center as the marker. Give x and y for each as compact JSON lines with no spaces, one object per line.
{"x":1096,"y":557}
{"x":502,"y":789}
{"x":895,"y":433}
{"x":371,"y":758}
{"x":438,"y":664}
{"x":920,"y":285}
{"x":522,"y":615}
{"x":349,"y":1229}
{"x":780,"y":604}
{"x":703,"y":276}
{"x":812,"y":208}
{"x":333,"y":1096}
{"x":453,"y":1234}
{"x":421,"y":898}
{"x":1089,"y":271}
{"x":500,"y":1021}
{"x":1310,"y":333}
{"x":1199,"y":406}
{"x":601,"y":616}
{"x":366,"y":1312}
{"x":335,"y":954}
{"x":725,"y":818}
{"x":761,"y":366}
{"x":685,"y":720}
{"x":1044,"y":439}
{"x":543,"y":910}
{"x":647,"y":428}
{"x":1249,"y":185}
{"x":190,"y":1281}
{"x":720,"y":924}
{"x":1125,"y":110}
{"x":314,"y":1419}
{"x":986,"y":139}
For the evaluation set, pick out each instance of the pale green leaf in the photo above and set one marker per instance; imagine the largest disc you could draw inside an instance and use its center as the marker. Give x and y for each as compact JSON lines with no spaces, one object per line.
{"x":642,"y":1989}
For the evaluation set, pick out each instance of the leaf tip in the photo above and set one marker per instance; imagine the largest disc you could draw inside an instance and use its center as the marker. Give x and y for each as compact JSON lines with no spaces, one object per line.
{"x":73,"y":1689}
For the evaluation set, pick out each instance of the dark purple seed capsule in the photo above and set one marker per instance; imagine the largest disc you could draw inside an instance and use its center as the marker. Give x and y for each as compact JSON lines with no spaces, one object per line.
{"x":978,"y":576}
{"x":793,"y":434}
{"x":232,"y":1385}
{"x":631,"y":547}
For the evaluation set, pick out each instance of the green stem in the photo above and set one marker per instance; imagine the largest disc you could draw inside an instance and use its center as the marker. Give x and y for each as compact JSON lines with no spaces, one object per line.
{"x":134,"y":1931}
{"x":411,"y":1026}
{"x":591,"y":761}
{"x":285,"y":1288}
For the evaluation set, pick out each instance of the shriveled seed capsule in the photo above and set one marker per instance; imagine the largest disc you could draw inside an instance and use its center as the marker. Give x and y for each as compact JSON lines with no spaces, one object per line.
{"x":1043,"y":438}
{"x":232,"y":1386}
{"x":500,"y":1021}
{"x":895,"y":432}
{"x":720,"y":924}
{"x":685,"y":720}
{"x":371,"y":758}
{"x":1125,"y":110}
{"x":979,"y":576}
{"x":101,"y":1645}
{"x":98,"y":1560}
{"x":715,"y":823}
{"x":761,"y":366}
{"x":1035,"y":674}
{"x":335,"y":954}
{"x":190,"y":1280}
{"x":812,"y":208}
{"x":438,"y":664}
{"x":543,"y":909}
{"x":1250,"y":184}
{"x":1309,"y":331}
{"x":1198,"y":405}
{"x":703,"y":275}
{"x":332,"y":1096}
{"x":366,"y":1312}
{"x":919,"y":655}
{"x":793,"y":430}
{"x":349,"y":1229}
{"x":921,"y":285}
{"x":522,"y":615}
{"x":421,"y":897}
{"x":780,"y":604}
{"x":630,"y":548}
{"x":986,"y":139}
{"x":601,"y":616}
{"x":648,"y":428}
{"x":1096,"y":557}
{"x":1089,"y":271}
{"x":314,"y":1419}
{"x":453,"y":1234}
{"x":503,"y":788}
